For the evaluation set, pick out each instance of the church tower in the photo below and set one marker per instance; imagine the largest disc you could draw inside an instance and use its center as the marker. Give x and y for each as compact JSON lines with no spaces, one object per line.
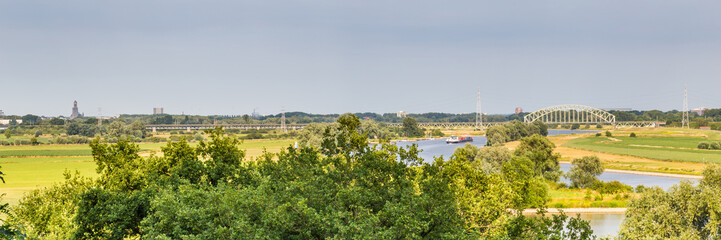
{"x":75,"y":110}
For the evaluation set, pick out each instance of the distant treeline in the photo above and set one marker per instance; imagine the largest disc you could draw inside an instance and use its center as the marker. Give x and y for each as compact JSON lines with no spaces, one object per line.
{"x":671,"y":118}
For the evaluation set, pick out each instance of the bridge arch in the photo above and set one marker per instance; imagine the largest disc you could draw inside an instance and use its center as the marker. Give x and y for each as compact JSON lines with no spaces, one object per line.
{"x":571,"y":113}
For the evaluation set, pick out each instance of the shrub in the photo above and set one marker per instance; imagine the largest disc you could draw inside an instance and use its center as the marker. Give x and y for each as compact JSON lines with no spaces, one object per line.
{"x":575,"y":126}
{"x":437,"y":133}
{"x":633,"y":135}
{"x":703,"y":145}
{"x":598,"y":134}
{"x":611,"y":187}
{"x":598,"y":197}
{"x":715,"y":146}
{"x":599,"y":126}
{"x":156,"y":139}
{"x":198,"y":137}
{"x":608,"y":134}
{"x":255,"y":135}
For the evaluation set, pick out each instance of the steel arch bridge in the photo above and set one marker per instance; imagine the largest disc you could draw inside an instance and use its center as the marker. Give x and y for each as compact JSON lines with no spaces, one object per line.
{"x":571,"y":113}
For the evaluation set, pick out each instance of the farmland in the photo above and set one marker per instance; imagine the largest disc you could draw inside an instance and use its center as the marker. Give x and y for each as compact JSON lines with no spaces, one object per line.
{"x":30,"y":167}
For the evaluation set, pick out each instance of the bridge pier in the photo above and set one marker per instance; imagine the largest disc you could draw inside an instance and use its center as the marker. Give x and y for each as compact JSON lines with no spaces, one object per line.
{"x":155,"y":129}
{"x":187,"y":129}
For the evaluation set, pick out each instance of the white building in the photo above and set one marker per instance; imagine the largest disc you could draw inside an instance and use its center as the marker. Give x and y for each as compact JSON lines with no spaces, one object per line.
{"x":401,"y":114}
{"x":699,"y":111}
{"x":157,"y":111}
{"x":7,"y":121}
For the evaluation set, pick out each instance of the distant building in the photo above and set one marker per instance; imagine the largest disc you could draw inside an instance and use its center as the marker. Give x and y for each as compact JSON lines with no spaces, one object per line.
{"x":8,"y":121}
{"x":401,"y":114}
{"x":699,"y":111}
{"x":157,"y":110}
{"x":519,"y":110}
{"x":2,"y":113}
{"x":75,"y":113}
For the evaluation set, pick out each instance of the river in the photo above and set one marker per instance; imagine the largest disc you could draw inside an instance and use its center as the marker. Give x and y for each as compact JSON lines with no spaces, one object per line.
{"x":602,"y":224}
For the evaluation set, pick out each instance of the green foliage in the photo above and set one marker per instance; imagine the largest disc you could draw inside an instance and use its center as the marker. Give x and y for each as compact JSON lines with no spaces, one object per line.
{"x":585,"y":171}
{"x":575,"y":126}
{"x":312,"y":134}
{"x":611,"y":187}
{"x":530,"y":190}
{"x":48,"y":213}
{"x":633,"y":135}
{"x":608,"y":134}
{"x":558,"y":226}
{"x":598,"y":134}
{"x":57,"y":121}
{"x":539,"y":150}
{"x":492,"y":158}
{"x":512,"y":131}
{"x":715,"y":146}
{"x":38,"y":133}
{"x":437,"y":133}
{"x":684,"y":211}
{"x":410,"y":128}
{"x":7,"y":133}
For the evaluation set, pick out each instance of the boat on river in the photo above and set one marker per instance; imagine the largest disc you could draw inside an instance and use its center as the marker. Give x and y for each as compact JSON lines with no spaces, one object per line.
{"x":454,"y":139}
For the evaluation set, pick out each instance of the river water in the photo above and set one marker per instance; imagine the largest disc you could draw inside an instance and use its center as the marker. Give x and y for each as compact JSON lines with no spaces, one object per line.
{"x":602,"y":224}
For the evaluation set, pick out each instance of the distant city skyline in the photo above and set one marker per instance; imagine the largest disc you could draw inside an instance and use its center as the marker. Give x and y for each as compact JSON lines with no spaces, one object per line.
{"x":231,"y":57}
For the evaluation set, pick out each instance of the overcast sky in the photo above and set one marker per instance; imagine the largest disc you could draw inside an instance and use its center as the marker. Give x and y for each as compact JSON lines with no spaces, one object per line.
{"x":229,"y":57}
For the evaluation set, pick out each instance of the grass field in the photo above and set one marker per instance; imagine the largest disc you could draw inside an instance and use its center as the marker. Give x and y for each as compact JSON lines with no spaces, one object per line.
{"x":659,"y":148}
{"x":580,"y":198}
{"x":31,"y":167}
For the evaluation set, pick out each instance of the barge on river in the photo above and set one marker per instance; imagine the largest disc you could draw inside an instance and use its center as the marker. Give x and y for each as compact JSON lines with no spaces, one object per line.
{"x":454,"y":139}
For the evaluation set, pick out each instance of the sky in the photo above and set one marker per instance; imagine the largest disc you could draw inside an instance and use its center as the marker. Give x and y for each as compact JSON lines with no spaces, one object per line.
{"x":231,"y":57}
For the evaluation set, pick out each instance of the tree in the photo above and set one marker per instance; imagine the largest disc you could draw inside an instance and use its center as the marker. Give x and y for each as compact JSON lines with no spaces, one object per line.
{"x":529,"y":190}
{"x":31,"y":119}
{"x":7,"y":133}
{"x":608,"y":134}
{"x":91,"y":121}
{"x":73,"y":129}
{"x":313,"y":133}
{"x":542,"y":127}
{"x":57,"y":121}
{"x":492,"y":158}
{"x":246,"y":118}
{"x":410,"y":128}
{"x":684,"y":211}
{"x":496,"y":135}
{"x":38,"y":133}
{"x":585,"y":171}
{"x":437,"y":133}
{"x":539,"y":150}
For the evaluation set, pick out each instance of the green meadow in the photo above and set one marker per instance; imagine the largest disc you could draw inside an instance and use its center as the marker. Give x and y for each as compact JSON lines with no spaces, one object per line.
{"x":31,"y":167}
{"x":668,"y":148}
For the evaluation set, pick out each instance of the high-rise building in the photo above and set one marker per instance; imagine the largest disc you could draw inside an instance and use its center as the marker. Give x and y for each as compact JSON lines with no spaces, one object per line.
{"x":158,"y":110}
{"x":519,"y":110}
{"x":75,"y":113}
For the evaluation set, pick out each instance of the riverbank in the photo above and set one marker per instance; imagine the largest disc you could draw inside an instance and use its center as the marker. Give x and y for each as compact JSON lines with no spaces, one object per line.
{"x":657,"y":174}
{"x":532,"y":211}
